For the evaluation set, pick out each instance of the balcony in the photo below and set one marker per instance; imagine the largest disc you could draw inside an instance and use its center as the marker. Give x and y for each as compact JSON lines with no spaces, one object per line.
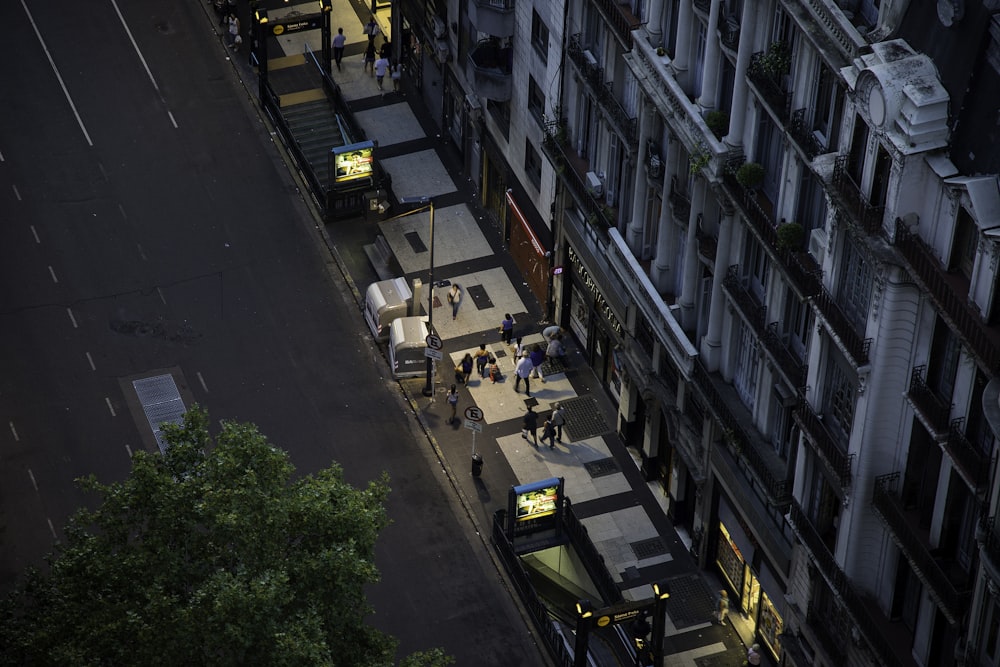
{"x":493,"y":17}
{"x":490,"y":70}
{"x":572,"y":169}
{"x":602,"y":91}
{"x":827,"y":447}
{"x":729,"y":33}
{"x":853,"y":201}
{"x":888,"y":506}
{"x":802,"y":135}
{"x":788,"y":361}
{"x":852,"y":343}
{"x":620,"y":19}
{"x":989,"y":546}
{"x":753,"y":311}
{"x":800,"y":270}
{"x":680,"y":203}
{"x":771,"y":85}
{"x":932,"y":412}
{"x":867,"y":622}
{"x":971,"y":464}
{"x":949,"y":292}
{"x":742,"y":439}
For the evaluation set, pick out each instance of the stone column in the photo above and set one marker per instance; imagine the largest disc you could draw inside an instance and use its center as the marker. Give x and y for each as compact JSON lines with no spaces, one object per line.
{"x":653,"y":32}
{"x":639,"y":188}
{"x":734,"y":138}
{"x":689,"y":290}
{"x":711,"y":344}
{"x":685,"y":28}
{"x":710,"y":77}
{"x":660,"y":272}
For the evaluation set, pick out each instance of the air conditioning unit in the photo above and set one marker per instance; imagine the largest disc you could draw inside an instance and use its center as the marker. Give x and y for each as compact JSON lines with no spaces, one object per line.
{"x":817,"y":244}
{"x":609,"y":198}
{"x":440,"y":29}
{"x":594,"y":184}
{"x":589,"y":57}
{"x":472,"y":106}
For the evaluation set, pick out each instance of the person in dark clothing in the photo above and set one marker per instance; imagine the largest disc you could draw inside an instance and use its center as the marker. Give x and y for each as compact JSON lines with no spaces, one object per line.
{"x":530,"y":426}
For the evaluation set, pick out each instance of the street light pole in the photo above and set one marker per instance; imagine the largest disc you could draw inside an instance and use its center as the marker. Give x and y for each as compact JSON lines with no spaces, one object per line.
{"x":429,"y":203}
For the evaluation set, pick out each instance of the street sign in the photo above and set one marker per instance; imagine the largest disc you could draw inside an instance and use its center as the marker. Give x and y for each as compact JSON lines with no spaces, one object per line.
{"x":473,"y":426}
{"x":434,"y":342}
{"x":472,"y":413}
{"x":432,"y":353}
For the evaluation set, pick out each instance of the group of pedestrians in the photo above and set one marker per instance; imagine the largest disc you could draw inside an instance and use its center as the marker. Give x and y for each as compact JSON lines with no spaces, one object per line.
{"x":376,"y":60}
{"x":552,"y":428}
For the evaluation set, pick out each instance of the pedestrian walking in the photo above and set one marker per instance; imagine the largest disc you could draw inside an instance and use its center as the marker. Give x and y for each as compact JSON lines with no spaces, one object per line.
{"x":518,"y":347}
{"x":753,"y":655}
{"x":371,"y":30}
{"x":530,"y":425}
{"x":234,"y":30}
{"x":558,"y":420}
{"x":482,"y":360}
{"x":370,"y":58}
{"x":495,"y":374}
{"x":507,"y":328}
{"x":381,"y":67}
{"x":537,"y":356}
{"x":466,"y":366}
{"x":522,"y":371}
{"x":453,"y":404}
{"x":548,"y":433}
{"x":396,"y":73}
{"x":722,"y":607}
{"x":338,"y":42}
{"x":455,"y":293}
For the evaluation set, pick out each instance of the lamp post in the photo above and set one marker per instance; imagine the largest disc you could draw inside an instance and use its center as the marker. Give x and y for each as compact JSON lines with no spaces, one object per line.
{"x":424,"y":200}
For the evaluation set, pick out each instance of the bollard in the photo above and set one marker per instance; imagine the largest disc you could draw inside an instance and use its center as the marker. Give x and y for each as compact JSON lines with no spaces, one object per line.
{"x":477,"y":465}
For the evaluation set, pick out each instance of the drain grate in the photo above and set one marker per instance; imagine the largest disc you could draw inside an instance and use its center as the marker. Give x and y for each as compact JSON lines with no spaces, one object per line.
{"x":583,"y":418}
{"x":161,"y":402}
{"x":602,"y":467}
{"x":650,"y":548}
{"x":415,"y":242}
{"x":479,"y":297}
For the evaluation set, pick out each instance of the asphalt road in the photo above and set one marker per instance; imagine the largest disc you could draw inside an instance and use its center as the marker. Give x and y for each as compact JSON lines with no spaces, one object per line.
{"x":147,"y":224}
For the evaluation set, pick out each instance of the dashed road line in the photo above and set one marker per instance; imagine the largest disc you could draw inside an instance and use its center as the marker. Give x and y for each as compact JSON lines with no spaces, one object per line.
{"x":33,"y":482}
{"x":72,"y":319}
{"x":34,"y":233}
{"x":110,"y":407}
{"x":14,"y":431}
{"x":202,"y":381}
{"x":52,"y":272}
{"x":90,"y":360}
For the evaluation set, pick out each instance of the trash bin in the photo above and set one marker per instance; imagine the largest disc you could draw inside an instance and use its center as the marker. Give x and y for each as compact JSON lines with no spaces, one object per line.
{"x":477,"y":465}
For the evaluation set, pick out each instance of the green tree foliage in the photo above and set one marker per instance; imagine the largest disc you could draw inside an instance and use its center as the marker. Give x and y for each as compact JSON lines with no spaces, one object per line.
{"x":210,"y":555}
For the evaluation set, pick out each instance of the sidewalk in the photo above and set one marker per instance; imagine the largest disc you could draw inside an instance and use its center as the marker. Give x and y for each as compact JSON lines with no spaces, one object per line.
{"x":623,"y":514}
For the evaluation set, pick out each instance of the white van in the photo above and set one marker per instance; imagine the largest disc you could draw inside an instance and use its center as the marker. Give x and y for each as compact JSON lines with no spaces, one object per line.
{"x":407,"y":342}
{"x":385,"y":301}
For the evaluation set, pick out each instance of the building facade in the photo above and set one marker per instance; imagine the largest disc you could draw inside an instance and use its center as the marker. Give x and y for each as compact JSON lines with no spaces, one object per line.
{"x":772,"y":228}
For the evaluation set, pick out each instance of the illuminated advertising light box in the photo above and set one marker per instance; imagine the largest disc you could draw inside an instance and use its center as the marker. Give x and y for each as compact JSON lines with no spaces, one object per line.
{"x":535,"y":507}
{"x":353,"y":162}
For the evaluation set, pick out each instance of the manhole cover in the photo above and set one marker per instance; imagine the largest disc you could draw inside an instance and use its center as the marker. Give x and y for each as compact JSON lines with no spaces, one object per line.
{"x":479,"y":297}
{"x":415,"y":242}
{"x":602,"y":467}
{"x":648,"y":548}
{"x":583,"y":418}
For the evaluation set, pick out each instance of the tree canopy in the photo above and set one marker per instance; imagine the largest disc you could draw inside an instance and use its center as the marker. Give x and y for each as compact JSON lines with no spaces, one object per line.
{"x":210,"y":554}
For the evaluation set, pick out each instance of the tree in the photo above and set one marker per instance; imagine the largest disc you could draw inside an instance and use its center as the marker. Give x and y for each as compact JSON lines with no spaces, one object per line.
{"x":210,"y":554}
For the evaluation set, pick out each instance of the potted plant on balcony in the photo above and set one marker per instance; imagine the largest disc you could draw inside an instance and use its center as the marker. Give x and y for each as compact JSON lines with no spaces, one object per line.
{"x":718,"y":122}
{"x":777,"y":60}
{"x":790,"y":235}
{"x":750,"y":175}
{"x":699,"y":159}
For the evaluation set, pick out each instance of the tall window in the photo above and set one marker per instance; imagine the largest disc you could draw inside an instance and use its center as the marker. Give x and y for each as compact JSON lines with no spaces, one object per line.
{"x":811,"y":211}
{"x":532,"y":164}
{"x":963,"y":251}
{"x":840,"y":395}
{"x":826,"y":106}
{"x":797,"y":322}
{"x":855,"y":285}
{"x":539,"y":37}
{"x":536,"y":100}
{"x":745,"y":378}
{"x":755,"y":264}
{"x":942,"y":367}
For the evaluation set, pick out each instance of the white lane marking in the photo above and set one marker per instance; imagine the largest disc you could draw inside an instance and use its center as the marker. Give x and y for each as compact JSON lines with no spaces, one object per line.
{"x":162,"y":298}
{"x":33,"y":482}
{"x":34,"y":232}
{"x":17,"y":193}
{"x":129,"y":450}
{"x":55,"y":69}
{"x":172,"y":120}
{"x":142,"y":253}
{"x":134,"y":45}
{"x":121,"y":209}
{"x":71,"y":318}
{"x":52,"y":272}
{"x":110,"y":407}
{"x":52,"y":528}
{"x":14,"y":431}
{"x":202,"y":381}
{"x":90,"y":360}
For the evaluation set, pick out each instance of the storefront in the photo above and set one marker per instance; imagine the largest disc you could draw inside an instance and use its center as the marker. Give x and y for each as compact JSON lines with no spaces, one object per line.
{"x":755,"y":585}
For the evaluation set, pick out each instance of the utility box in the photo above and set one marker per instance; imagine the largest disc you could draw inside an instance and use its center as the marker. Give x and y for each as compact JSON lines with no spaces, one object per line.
{"x":407,"y":343}
{"x":385,"y":301}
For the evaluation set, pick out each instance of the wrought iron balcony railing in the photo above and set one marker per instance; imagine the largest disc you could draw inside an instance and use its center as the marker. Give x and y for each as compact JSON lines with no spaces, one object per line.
{"x":867,"y":624}
{"x":729,"y":32}
{"x":603,"y":92}
{"x":935,"y":413}
{"x":771,"y":86}
{"x":835,"y":317}
{"x":559,"y":153}
{"x":802,"y":134}
{"x":824,"y":443}
{"x":971,"y":463}
{"x":888,"y":506}
{"x":947,"y":293}
{"x":620,"y":19}
{"x":853,"y":201}
{"x":680,"y":203}
{"x":788,"y":361}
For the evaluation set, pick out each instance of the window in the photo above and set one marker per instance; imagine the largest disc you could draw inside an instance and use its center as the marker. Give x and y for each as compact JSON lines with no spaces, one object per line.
{"x":536,"y":100}
{"x":943,"y":363}
{"x":770,"y":150}
{"x":855,"y":285}
{"x":539,"y":37}
{"x":811,"y":211}
{"x":532,"y":164}
{"x":755,"y":265}
{"x":858,"y":151}
{"x":826,"y":107}
{"x":745,"y":378}
{"x":797,"y":322}
{"x":500,"y":112}
{"x":963,"y":252}
{"x":840,"y":393}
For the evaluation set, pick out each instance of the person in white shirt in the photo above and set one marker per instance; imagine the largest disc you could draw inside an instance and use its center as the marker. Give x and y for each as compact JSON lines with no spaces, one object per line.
{"x":338,"y":42}
{"x":381,"y":67}
{"x":523,"y":372}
